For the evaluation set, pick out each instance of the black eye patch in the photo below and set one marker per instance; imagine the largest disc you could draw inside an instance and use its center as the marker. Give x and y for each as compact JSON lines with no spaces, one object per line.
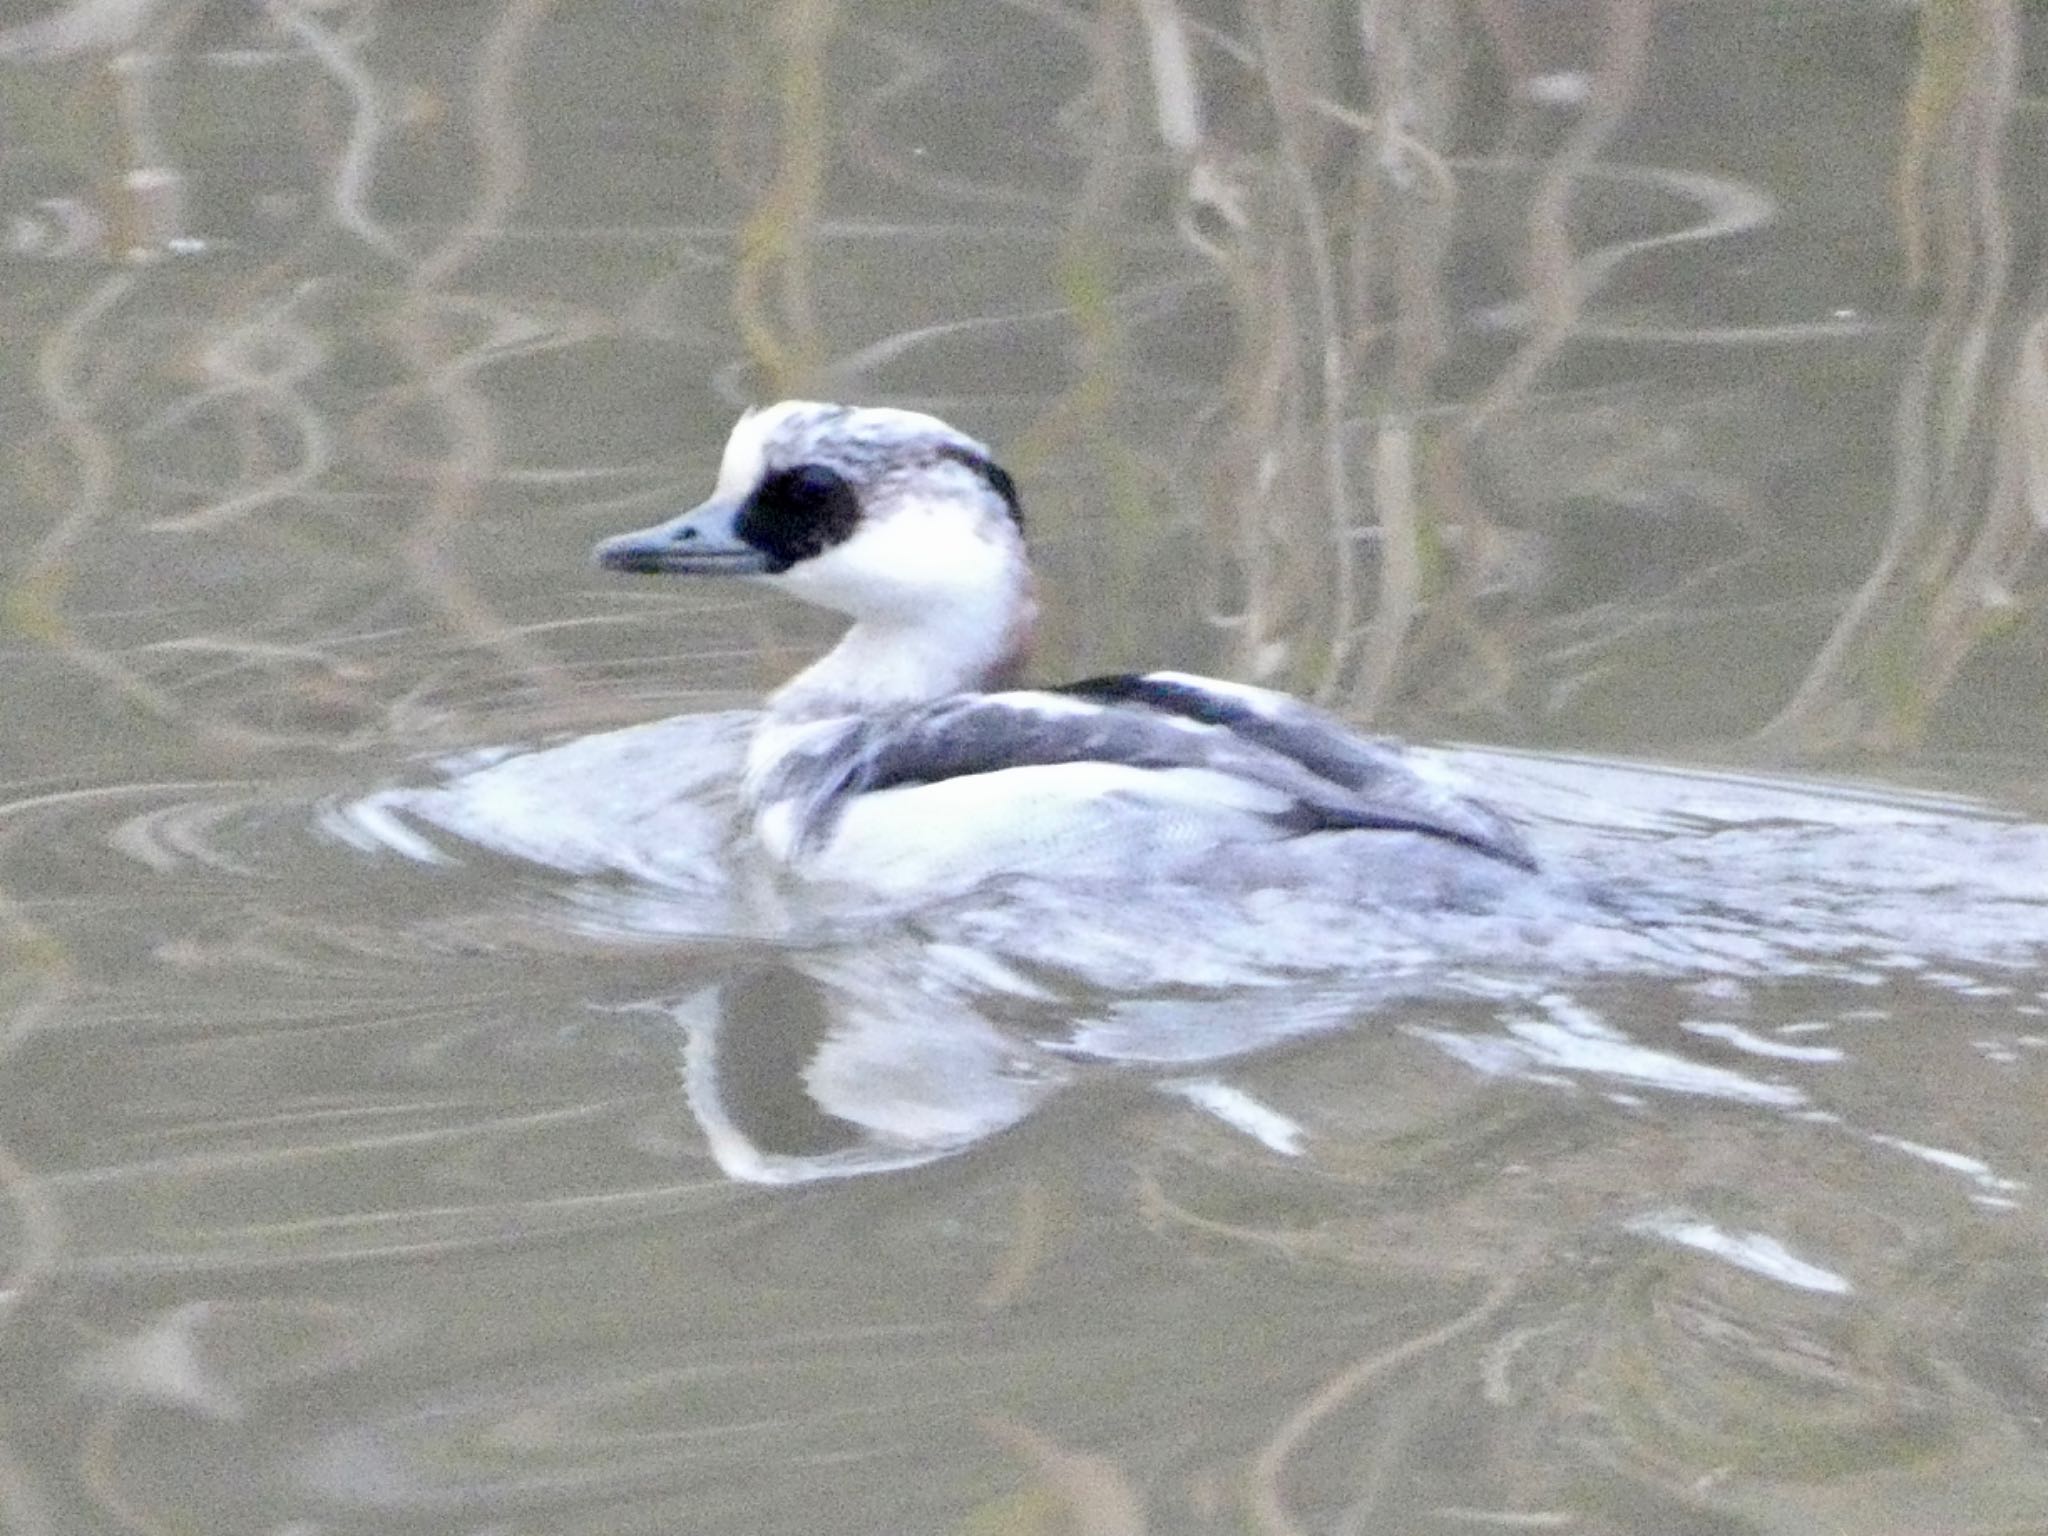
{"x":798,"y":512}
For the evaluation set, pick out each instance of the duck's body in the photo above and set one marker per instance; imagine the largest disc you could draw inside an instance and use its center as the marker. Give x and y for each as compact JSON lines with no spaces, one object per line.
{"x":903,"y":762}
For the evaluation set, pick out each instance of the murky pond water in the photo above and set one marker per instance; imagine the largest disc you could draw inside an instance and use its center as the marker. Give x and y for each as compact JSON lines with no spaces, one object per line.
{"x":1652,"y":392}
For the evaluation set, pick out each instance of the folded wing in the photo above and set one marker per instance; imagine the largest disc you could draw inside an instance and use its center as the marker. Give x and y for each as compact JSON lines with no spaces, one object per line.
{"x":1317,"y":775}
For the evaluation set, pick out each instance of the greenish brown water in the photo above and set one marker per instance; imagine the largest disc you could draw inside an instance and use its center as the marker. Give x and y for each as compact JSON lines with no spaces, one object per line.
{"x":1666,"y":381}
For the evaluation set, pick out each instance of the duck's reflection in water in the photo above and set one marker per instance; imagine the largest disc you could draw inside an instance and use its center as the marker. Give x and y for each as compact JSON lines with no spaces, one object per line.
{"x":838,"y":1039}
{"x":826,"y":1069}
{"x":897,"y":1054}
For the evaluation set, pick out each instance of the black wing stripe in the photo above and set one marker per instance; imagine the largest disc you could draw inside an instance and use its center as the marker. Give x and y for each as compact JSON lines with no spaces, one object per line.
{"x":958,"y":738}
{"x":1319,"y":743}
{"x":1325,"y":747}
{"x":1088,"y":723}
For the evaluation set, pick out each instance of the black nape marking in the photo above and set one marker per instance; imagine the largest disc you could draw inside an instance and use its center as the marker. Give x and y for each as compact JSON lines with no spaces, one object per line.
{"x":798,"y":512}
{"x":997,"y":477}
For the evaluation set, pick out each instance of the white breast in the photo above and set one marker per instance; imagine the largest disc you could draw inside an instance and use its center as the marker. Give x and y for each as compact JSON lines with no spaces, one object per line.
{"x":1085,"y":821}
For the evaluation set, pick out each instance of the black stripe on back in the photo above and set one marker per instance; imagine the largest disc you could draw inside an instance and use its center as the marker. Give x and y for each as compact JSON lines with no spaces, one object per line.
{"x":1321,"y":744}
{"x":957,"y":738}
{"x":1325,"y":747}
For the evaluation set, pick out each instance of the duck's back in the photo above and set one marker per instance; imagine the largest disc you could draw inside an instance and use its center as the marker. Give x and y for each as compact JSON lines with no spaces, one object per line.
{"x":1134,"y":779}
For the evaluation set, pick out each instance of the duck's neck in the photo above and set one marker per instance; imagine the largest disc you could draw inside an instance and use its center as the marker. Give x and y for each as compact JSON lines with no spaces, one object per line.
{"x":886,"y":663}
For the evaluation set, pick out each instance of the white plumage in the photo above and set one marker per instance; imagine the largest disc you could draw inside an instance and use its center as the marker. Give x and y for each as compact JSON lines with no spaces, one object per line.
{"x":900,"y":762}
